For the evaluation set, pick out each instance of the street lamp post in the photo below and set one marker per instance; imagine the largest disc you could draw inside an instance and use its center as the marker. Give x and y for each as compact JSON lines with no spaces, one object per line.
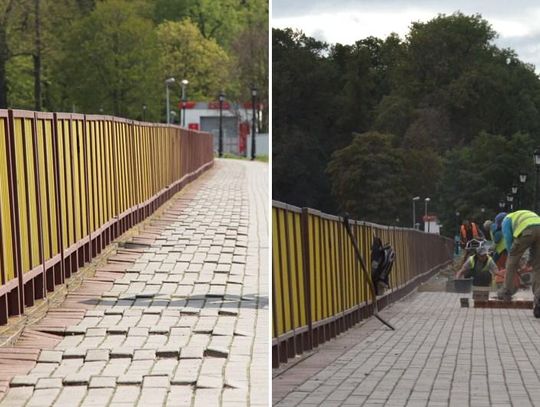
{"x":184,"y":83}
{"x":254,"y":121}
{"x":510,"y":199}
{"x":167,"y":83}
{"x":457,"y":239}
{"x":522,"y":180}
{"x":502,"y":204}
{"x":537,"y":188}
{"x":416,"y":198}
{"x":221,"y":99}
{"x":144,"y":107}
{"x":425,"y":214}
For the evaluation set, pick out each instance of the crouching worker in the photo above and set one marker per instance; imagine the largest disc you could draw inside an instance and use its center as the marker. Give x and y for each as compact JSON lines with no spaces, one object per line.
{"x":521,"y":230}
{"x":480,"y":267}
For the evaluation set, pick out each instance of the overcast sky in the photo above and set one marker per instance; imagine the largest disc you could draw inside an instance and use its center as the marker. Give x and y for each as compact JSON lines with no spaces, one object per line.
{"x":346,"y":21}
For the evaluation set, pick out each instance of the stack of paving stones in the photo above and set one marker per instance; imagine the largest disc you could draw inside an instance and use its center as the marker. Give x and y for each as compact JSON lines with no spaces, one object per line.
{"x":439,"y":355}
{"x":178,"y":317}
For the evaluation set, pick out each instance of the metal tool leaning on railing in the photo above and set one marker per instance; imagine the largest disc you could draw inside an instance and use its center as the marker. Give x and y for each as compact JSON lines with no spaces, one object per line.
{"x":367,"y":274}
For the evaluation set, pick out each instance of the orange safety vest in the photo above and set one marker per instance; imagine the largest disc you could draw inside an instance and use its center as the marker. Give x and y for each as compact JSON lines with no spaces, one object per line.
{"x":464,"y":232}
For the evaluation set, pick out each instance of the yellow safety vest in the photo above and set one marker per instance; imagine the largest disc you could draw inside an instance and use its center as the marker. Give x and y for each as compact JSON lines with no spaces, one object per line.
{"x":500,"y":246}
{"x":522,"y":220}
{"x":486,"y":266}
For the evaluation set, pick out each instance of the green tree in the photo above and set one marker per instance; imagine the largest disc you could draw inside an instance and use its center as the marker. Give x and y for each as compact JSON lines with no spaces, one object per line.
{"x":171,"y":10}
{"x":110,"y":63}
{"x":186,"y":54}
{"x":367,"y":178}
{"x":218,"y":20}
{"x":479,"y":175}
{"x":303,"y":83}
{"x":393,"y":115}
{"x":249,"y":53}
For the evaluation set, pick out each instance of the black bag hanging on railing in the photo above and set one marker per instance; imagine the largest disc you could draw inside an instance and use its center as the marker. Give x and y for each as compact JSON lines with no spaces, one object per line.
{"x":382,"y":260}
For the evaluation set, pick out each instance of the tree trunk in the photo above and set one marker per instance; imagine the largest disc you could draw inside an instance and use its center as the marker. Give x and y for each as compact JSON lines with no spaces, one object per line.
{"x":4,"y":55}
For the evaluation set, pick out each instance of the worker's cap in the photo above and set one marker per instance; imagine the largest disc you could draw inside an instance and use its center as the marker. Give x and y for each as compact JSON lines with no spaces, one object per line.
{"x":499,"y":218}
{"x":482,"y":250}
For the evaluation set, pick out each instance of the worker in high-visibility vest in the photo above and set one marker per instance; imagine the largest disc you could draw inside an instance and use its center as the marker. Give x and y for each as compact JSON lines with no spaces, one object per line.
{"x":468,"y":231}
{"x":480,"y":267}
{"x":499,"y":253}
{"x":521,"y":230}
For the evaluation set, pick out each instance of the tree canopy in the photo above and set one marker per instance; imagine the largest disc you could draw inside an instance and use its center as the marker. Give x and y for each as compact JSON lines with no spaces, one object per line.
{"x":113,"y":56}
{"x":441,"y":113}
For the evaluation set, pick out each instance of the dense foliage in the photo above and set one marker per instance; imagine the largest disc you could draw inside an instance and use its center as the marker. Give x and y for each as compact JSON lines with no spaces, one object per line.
{"x":442,"y":113}
{"x":113,"y":56}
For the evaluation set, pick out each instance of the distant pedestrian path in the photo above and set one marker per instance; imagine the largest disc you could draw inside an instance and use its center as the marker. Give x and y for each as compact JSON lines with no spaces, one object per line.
{"x":177,"y":317}
{"x":439,"y":355}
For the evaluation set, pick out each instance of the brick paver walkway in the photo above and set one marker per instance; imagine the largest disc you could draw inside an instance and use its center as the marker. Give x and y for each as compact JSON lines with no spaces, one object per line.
{"x":186,"y":321}
{"x":439,"y":355}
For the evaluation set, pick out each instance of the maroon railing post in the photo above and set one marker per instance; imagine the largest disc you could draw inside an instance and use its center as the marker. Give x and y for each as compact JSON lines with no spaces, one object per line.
{"x":16,"y":297}
{"x":304,"y":230}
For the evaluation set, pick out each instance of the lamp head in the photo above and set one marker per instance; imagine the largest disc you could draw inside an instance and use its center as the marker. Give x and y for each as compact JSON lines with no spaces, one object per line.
{"x":537,"y":157}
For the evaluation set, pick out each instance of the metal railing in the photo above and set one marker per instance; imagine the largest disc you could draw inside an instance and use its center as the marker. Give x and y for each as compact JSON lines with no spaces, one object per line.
{"x":318,"y":288}
{"x":71,"y":183}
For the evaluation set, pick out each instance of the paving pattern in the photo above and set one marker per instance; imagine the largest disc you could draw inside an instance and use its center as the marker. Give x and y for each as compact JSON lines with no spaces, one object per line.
{"x":178,"y":316}
{"x":439,"y":355}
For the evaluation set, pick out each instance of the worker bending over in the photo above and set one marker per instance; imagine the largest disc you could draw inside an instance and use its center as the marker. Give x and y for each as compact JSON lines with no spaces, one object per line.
{"x":521,"y":230}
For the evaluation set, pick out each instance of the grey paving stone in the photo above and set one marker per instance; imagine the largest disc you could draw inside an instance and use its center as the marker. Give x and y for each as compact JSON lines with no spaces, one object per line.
{"x":23,"y":381}
{"x":98,"y":397}
{"x":43,"y":397}
{"x":93,"y":355}
{"x":144,"y":354}
{"x":192,"y":352}
{"x":50,"y":356}
{"x":91,"y":332}
{"x":99,"y":382}
{"x":49,"y":383}
{"x":159,"y":381}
